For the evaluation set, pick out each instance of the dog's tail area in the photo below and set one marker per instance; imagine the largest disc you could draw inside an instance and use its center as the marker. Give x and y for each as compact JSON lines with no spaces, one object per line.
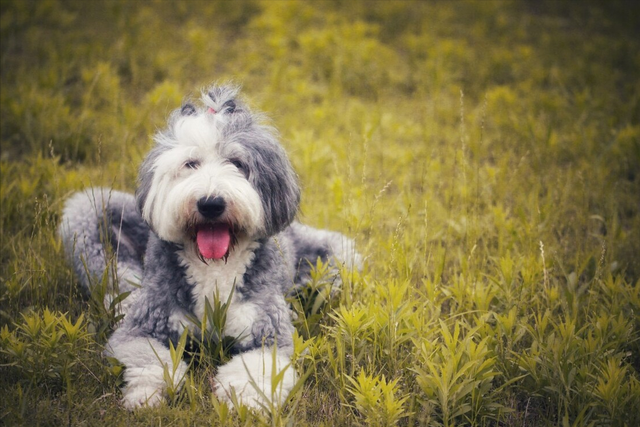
{"x":105,"y":238}
{"x":333,"y":248}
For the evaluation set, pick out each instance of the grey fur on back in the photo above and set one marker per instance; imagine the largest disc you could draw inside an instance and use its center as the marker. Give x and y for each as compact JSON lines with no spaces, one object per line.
{"x":103,"y":233}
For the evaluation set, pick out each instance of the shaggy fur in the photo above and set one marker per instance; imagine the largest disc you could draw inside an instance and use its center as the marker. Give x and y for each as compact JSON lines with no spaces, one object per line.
{"x":214,"y":209}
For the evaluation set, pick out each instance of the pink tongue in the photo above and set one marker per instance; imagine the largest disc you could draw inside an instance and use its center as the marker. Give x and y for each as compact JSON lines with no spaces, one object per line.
{"x":213,"y":242}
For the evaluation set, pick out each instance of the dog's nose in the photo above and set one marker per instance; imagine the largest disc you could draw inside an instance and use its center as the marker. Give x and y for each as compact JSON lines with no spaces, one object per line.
{"x":211,"y":207}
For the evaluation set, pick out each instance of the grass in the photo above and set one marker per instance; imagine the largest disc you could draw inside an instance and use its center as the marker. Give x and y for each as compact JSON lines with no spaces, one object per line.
{"x":484,"y":155}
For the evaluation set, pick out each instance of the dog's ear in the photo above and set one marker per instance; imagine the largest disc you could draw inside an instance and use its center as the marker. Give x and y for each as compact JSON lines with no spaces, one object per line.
{"x":188,"y":109}
{"x":274,"y":179}
{"x":163,"y":140}
{"x":145,"y":180}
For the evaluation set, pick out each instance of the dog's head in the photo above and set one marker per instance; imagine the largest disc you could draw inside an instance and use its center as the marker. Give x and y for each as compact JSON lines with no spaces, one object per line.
{"x":216,"y":175}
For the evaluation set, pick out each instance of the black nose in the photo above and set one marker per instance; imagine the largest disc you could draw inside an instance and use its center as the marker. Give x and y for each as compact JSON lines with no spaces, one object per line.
{"x":211,"y":207}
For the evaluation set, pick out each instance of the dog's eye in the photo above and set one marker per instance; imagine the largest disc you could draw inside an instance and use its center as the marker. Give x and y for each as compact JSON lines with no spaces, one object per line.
{"x":192,"y":164}
{"x":240,"y":165}
{"x":229,"y":106}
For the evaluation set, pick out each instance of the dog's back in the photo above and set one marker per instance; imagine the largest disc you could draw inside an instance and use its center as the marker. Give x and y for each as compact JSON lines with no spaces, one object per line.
{"x":103,"y":233}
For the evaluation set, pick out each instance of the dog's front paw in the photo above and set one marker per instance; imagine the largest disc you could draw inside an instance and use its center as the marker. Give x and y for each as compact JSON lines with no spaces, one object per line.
{"x":145,"y":387}
{"x":146,"y":395}
{"x":251,"y":376}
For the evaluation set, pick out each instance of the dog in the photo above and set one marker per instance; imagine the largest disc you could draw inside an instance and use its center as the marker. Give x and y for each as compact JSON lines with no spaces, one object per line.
{"x":213,"y":216}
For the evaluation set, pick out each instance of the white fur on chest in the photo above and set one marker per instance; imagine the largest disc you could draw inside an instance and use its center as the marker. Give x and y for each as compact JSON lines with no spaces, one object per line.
{"x":216,"y":280}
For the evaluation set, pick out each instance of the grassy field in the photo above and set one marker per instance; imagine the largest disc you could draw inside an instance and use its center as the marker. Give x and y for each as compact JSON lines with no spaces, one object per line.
{"x":485,"y":156}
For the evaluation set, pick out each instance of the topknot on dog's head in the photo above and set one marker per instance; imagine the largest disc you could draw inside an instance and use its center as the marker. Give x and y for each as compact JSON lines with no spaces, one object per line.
{"x":217,"y":99}
{"x":223,"y":99}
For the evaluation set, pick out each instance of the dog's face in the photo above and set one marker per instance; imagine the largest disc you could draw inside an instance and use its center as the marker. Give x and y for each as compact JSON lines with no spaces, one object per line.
{"x":216,"y":176}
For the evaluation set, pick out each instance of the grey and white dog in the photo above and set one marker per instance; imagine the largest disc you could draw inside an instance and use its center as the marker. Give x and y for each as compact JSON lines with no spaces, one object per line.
{"x":213,"y":212}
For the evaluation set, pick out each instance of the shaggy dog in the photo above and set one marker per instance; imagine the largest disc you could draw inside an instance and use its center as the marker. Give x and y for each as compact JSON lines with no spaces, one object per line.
{"x":212,"y":217}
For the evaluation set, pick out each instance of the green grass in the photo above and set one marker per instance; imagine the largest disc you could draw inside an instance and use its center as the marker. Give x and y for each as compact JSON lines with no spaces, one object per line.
{"x":485,"y":156}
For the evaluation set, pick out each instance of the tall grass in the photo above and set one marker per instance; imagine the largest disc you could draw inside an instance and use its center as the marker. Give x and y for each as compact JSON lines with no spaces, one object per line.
{"x":484,"y":155}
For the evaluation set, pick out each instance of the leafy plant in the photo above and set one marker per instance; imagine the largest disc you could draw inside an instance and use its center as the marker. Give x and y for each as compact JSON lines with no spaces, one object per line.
{"x":376,"y":401}
{"x":45,"y":348}
{"x":456,"y":375}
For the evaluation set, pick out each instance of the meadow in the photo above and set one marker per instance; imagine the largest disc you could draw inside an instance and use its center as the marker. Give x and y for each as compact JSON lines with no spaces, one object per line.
{"x":484,"y":155}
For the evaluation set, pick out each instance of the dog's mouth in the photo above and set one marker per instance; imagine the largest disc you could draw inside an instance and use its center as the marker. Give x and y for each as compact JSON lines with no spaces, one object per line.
{"x":214,"y":241}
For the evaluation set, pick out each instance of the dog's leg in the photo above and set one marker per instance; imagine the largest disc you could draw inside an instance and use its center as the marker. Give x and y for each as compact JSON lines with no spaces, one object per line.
{"x":150,"y":369}
{"x":158,"y":318}
{"x":262,"y":375}
{"x":261,"y":378}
